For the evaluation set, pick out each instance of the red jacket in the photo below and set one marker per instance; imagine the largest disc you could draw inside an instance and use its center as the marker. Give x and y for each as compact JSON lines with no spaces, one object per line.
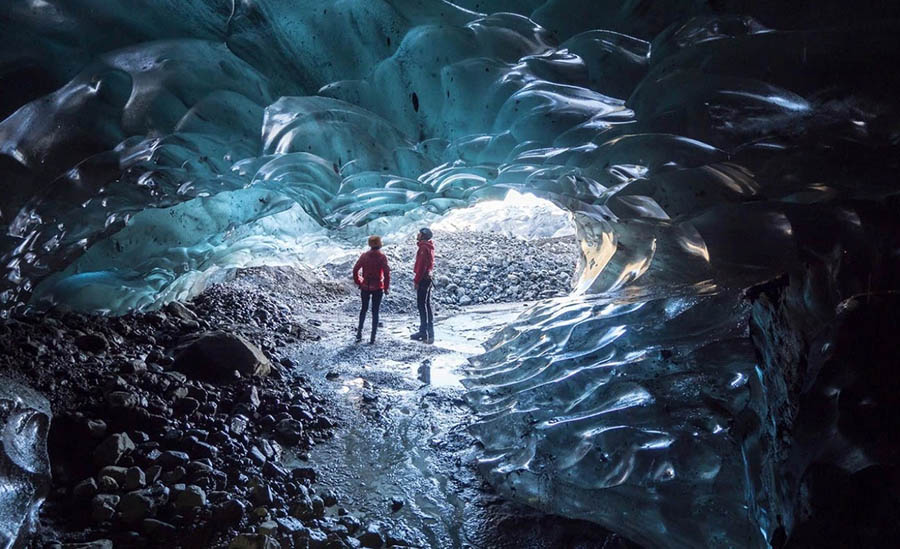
{"x":424,"y":260}
{"x":376,"y":275}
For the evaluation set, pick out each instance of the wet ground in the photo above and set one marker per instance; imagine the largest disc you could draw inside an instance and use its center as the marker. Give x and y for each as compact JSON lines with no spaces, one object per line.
{"x":402,"y":453}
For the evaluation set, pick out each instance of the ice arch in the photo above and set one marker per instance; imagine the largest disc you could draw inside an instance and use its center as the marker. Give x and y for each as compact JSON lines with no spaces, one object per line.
{"x":700,"y":153}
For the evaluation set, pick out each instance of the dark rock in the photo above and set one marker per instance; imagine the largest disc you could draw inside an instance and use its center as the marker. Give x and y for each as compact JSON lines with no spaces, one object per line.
{"x":371,"y":537}
{"x":304,"y":473}
{"x":186,"y":406}
{"x":172,"y":458}
{"x":174,"y":476}
{"x":302,"y":507}
{"x":267,"y":422}
{"x":260,"y":493}
{"x":318,"y":506}
{"x":256,"y":456}
{"x":179,"y":311}
{"x":273,"y":471}
{"x":135,"y":506}
{"x":97,"y":428}
{"x":111,"y":450}
{"x":231,"y":511}
{"x":85,"y":489}
{"x":135,"y":478}
{"x":289,"y":430}
{"x":152,"y":473}
{"x":122,"y":399}
{"x":107,"y":484}
{"x":133,"y":366}
{"x":91,"y":343}
{"x":215,"y":355}
{"x":114,"y":472}
{"x":316,"y":539}
{"x":188,"y":496}
{"x":200,"y":449}
{"x":289,"y":525}
{"x":250,"y":397}
{"x":396,"y":504}
{"x":103,"y":507}
{"x":158,"y":529}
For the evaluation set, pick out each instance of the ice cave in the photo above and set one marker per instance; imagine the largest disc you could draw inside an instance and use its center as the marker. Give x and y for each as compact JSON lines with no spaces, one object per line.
{"x":665,"y":273}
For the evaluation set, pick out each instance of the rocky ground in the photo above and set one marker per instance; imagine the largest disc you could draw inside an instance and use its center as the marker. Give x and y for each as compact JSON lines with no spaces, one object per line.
{"x":170,"y":426}
{"x":478,"y":267}
{"x":223,"y":422}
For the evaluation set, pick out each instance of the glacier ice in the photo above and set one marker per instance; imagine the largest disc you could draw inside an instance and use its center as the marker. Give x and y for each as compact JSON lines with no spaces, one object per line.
{"x":149,"y":148}
{"x":24,"y":464}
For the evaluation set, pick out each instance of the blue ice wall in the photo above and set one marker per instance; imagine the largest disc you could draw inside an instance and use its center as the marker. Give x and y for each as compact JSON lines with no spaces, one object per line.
{"x":148,"y":145}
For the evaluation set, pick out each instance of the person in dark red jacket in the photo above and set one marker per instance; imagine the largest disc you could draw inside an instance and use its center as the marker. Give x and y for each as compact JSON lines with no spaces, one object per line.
{"x":422,"y":269}
{"x":373,"y":276}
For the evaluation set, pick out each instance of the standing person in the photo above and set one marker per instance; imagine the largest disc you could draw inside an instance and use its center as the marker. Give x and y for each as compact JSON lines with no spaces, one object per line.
{"x":423,"y":282}
{"x":373,"y":276}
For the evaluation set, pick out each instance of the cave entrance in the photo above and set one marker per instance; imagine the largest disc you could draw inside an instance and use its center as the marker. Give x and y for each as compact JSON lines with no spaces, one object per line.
{"x":519,"y":248}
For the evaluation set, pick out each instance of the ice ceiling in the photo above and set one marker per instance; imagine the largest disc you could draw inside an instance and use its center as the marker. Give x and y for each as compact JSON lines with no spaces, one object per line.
{"x":147,"y":145}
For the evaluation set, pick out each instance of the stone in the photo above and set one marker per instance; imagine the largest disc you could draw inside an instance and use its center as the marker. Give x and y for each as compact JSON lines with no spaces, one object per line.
{"x":172,"y":458}
{"x":112,"y":449}
{"x":103,"y":507}
{"x":188,"y":496}
{"x":114,"y":472}
{"x":135,"y":506}
{"x":215,"y":355}
{"x":260,"y":493}
{"x":186,"y":406}
{"x":122,"y":399}
{"x":289,"y":525}
{"x":135,"y":478}
{"x":250,"y":396}
{"x":237,"y":424}
{"x":158,"y":529}
{"x":289,"y":430}
{"x":304,"y":473}
{"x":231,"y":511}
{"x":371,"y":536}
{"x":96,"y":427}
{"x":268,"y":528}
{"x":91,"y":343}
{"x":302,"y":507}
{"x":396,"y":504}
{"x":107,"y":484}
{"x":179,"y":311}
{"x":87,"y":488}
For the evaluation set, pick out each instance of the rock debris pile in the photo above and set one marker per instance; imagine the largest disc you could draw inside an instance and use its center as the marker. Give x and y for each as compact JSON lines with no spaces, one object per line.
{"x":170,"y":427}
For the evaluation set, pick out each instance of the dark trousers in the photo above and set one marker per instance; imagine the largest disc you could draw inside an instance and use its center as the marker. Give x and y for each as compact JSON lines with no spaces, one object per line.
{"x":375,"y":297}
{"x":423,"y":300}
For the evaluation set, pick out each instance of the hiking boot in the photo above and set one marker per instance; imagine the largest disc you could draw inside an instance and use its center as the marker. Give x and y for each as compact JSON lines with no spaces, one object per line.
{"x":418,"y":336}
{"x":358,"y":336}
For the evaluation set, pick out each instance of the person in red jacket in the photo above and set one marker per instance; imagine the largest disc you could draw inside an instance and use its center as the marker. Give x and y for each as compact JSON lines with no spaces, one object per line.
{"x":373,"y":276}
{"x":422,"y":269}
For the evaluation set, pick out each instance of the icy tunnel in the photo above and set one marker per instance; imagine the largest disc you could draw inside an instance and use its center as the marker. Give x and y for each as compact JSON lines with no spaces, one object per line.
{"x":722,"y":363}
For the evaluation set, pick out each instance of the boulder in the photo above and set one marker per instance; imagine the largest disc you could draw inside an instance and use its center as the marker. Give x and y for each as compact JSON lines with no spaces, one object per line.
{"x":111,"y":450}
{"x":215,"y":356}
